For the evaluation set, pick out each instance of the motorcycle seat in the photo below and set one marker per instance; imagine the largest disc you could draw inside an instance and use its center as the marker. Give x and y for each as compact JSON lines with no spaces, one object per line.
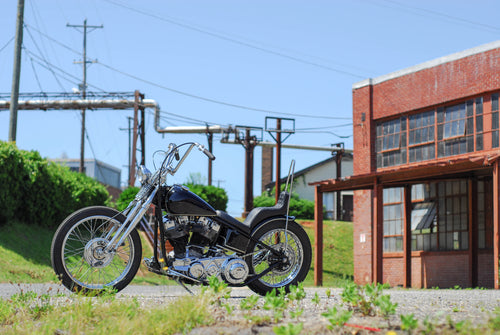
{"x":256,"y":215}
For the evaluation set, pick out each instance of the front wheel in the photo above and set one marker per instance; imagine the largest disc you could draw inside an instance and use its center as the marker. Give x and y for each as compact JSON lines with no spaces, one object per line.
{"x":78,"y":255}
{"x":292,"y":261}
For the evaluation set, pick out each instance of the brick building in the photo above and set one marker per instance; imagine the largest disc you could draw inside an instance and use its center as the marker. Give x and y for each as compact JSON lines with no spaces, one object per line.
{"x":426,"y":174}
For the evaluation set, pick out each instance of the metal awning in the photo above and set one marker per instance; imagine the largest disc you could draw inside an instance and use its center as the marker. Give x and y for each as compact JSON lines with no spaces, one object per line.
{"x":443,"y":168}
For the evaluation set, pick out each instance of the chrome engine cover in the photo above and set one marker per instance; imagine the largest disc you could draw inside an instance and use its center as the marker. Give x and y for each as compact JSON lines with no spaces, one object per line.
{"x":232,"y":269}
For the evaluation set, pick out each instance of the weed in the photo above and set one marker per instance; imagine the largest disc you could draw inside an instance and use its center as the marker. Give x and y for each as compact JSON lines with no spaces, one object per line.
{"x":336,"y":317}
{"x":249,"y":302}
{"x":408,"y":322}
{"x":316,"y":300}
{"x":296,"y":313}
{"x":289,"y":329}
{"x":494,"y":320}
{"x":328,"y":293}
{"x":297,"y":293}
{"x":276,"y":303}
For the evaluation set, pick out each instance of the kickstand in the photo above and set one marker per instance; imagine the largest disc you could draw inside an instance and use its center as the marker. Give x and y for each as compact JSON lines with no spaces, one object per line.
{"x":184,"y":286}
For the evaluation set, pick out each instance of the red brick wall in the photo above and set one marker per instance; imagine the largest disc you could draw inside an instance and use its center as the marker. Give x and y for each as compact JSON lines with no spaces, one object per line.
{"x":461,"y":78}
{"x":485,"y":269}
{"x":362,"y":228}
{"x":394,"y":271}
{"x":475,"y":75}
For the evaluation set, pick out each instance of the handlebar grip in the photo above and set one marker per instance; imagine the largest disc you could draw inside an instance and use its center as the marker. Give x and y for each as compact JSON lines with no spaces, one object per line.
{"x":209,"y":154}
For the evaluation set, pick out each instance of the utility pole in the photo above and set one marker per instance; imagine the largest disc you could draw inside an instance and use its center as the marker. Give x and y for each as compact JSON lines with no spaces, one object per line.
{"x":279,"y":140}
{"x":84,"y":83}
{"x":249,"y":142}
{"x":17,"y":72}
{"x":129,"y":129}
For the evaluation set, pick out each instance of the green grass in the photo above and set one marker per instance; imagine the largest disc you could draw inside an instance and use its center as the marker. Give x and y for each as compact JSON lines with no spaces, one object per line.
{"x":338,"y":259}
{"x":25,"y":255}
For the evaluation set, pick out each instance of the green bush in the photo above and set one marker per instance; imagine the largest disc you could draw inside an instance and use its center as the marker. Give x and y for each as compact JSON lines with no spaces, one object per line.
{"x":126,"y":197}
{"x":215,"y":196}
{"x":37,"y":191}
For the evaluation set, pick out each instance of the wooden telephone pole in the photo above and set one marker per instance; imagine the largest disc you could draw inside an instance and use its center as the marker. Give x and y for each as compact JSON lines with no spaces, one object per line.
{"x":17,"y":72}
{"x":84,"y":84}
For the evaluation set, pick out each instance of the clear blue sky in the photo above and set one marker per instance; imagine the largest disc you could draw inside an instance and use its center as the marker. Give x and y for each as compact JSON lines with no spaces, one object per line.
{"x":297,"y":57}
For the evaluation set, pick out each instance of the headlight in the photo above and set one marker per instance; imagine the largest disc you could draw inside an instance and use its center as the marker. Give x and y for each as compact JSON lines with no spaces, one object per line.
{"x":143,"y":174}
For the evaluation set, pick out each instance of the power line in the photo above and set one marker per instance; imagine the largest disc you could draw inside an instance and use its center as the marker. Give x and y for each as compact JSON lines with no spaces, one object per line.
{"x":54,"y":40}
{"x":6,"y":44}
{"x":182,"y":92}
{"x":424,"y":11}
{"x":219,"y":101}
{"x":235,"y":41}
{"x":44,"y":59}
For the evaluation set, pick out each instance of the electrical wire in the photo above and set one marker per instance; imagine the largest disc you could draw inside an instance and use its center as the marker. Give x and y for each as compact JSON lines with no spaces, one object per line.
{"x":424,"y":12}
{"x":54,"y":40}
{"x":219,"y":101}
{"x":323,"y":132}
{"x":185,"y":93}
{"x":43,"y":57}
{"x":235,"y":41}
{"x":6,"y":44}
{"x":50,"y":66}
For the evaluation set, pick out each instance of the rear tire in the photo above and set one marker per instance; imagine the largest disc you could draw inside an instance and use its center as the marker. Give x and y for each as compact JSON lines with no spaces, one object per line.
{"x":298,"y":252}
{"x":76,"y":252}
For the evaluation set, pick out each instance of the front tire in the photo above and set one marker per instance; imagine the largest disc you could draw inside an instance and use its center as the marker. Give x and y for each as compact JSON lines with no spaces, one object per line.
{"x":297,"y":251}
{"x":77,"y":256}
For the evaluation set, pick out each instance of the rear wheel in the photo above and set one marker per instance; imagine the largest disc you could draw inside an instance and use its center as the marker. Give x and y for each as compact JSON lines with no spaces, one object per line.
{"x":291,"y":263}
{"x":78,"y":255}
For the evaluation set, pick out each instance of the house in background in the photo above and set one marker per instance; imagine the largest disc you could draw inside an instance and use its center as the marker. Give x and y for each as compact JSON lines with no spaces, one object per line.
{"x":321,"y":171}
{"x":104,"y":173}
{"x":427,"y":174}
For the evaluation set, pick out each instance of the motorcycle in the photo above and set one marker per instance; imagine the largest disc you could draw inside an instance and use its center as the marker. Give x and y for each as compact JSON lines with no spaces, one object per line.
{"x":99,"y":247}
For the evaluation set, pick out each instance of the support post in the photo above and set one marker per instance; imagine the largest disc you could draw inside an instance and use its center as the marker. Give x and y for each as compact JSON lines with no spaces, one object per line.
{"x":210,"y":137}
{"x":338,"y":161}
{"x":318,"y":237}
{"x":249,"y":143}
{"x":17,"y":72}
{"x":278,"y":159}
{"x":473,"y":232}
{"x":378,"y":233}
{"x":496,"y":221}
{"x":133,"y":162}
{"x":407,"y":236}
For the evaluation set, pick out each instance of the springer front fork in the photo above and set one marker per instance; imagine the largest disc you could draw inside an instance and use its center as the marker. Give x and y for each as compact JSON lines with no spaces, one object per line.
{"x":118,"y":234}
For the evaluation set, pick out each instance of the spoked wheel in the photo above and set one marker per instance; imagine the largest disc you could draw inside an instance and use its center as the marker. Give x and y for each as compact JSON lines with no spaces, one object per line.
{"x":78,"y":255}
{"x":291,"y":262}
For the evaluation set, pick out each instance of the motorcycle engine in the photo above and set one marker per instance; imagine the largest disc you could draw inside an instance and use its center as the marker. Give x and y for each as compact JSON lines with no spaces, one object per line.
{"x":191,"y":237}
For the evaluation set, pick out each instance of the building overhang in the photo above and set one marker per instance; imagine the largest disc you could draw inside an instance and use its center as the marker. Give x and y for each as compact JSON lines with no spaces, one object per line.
{"x":397,"y":176}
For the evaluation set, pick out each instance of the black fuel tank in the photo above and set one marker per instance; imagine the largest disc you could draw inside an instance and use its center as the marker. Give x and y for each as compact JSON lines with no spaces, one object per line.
{"x":181,"y":201}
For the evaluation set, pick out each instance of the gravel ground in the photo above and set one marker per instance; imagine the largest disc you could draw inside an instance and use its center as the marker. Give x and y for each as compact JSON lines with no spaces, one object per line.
{"x":476,"y":306}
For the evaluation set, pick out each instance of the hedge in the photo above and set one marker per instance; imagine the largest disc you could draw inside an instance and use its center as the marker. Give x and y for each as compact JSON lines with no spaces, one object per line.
{"x":36,"y":191}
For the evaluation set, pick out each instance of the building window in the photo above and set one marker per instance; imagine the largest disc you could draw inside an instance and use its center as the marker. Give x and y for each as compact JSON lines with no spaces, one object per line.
{"x":494,"y":120}
{"x":393,"y":219}
{"x":484,"y":214}
{"x":455,"y":129}
{"x":424,"y":217}
{"x":421,"y":137}
{"x":391,"y":143}
{"x":443,"y":132}
{"x":453,"y":215}
{"x":479,"y":124}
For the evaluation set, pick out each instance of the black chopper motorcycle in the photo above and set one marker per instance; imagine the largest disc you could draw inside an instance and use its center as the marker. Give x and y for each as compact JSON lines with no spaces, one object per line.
{"x":99,"y":247}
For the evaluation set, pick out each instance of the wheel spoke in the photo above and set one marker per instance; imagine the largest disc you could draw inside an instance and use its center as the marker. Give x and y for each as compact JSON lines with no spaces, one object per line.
{"x":86,"y":262}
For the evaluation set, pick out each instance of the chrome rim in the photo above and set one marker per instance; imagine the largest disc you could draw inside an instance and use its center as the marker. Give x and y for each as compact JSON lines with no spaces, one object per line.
{"x":282,"y":274}
{"x":84,"y":258}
